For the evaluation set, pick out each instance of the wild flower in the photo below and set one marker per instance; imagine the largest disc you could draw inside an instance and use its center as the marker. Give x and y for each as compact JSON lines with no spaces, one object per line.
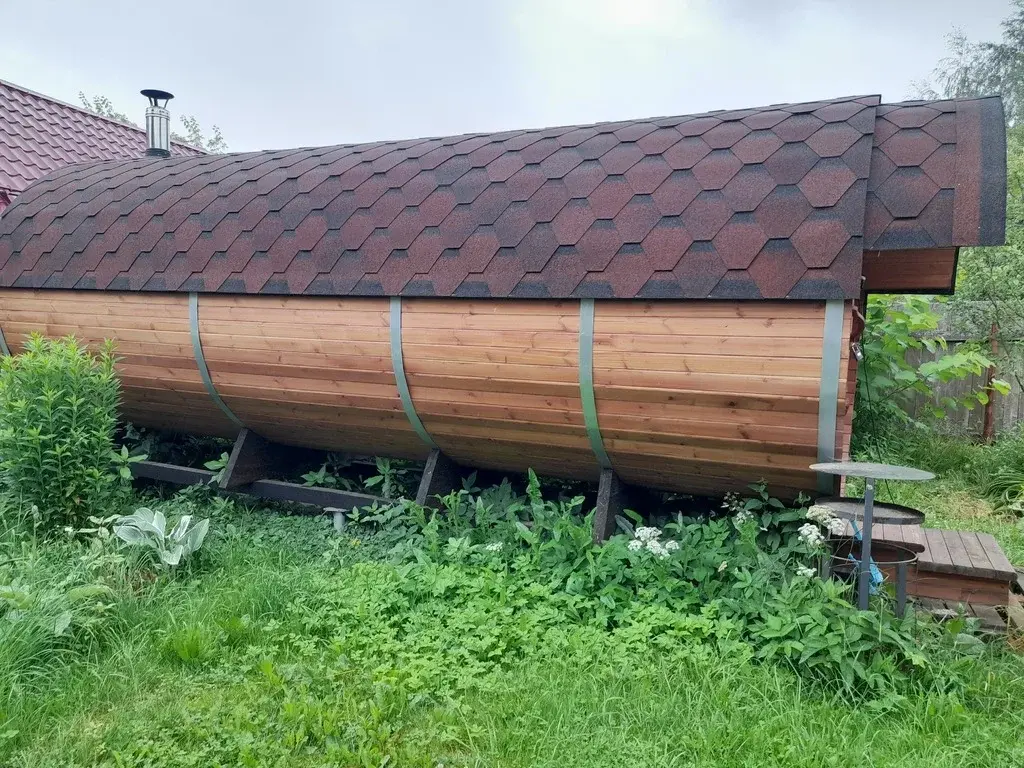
{"x":811,"y":535}
{"x":648,"y":538}
{"x":657,"y":549}
{"x":732,"y":502}
{"x":495,"y":546}
{"x":825,"y":517}
{"x":819,"y":513}
{"x":722,"y":567}
{"x":647,"y":534}
{"x":804,"y":570}
{"x":742,"y":517}
{"x":836,"y":527}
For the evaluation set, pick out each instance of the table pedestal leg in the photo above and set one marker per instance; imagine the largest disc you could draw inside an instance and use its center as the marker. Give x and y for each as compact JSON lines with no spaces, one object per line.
{"x":901,"y":589}
{"x":864,"y":569}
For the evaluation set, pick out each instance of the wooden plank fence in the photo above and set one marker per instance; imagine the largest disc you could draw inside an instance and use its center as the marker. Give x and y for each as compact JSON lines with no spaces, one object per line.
{"x":1008,"y":410}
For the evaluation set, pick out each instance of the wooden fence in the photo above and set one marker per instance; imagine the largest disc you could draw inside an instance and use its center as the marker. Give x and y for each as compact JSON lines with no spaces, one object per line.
{"x":1007,"y":410}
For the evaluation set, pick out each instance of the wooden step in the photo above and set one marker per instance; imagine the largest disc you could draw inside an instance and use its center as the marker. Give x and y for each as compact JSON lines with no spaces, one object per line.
{"x":989,"y":619}
{"x":962,"y":553}
{"x":910,"y":536}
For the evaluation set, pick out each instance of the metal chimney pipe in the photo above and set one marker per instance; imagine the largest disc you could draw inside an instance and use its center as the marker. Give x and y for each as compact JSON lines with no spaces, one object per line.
{"x":158,"y":123}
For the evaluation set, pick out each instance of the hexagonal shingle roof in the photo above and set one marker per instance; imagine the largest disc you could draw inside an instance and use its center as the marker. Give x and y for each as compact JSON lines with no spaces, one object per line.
{"x":773,"y":202}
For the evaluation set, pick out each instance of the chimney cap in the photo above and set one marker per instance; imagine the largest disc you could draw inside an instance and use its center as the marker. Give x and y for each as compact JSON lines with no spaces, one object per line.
{"x":155,"y":96}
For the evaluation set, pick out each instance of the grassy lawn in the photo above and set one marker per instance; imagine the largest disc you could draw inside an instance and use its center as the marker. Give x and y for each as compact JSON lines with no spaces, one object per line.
{"x":286,"y":645}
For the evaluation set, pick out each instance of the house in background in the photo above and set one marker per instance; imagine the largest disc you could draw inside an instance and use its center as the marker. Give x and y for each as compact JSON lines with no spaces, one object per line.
{"x":39,"y":134}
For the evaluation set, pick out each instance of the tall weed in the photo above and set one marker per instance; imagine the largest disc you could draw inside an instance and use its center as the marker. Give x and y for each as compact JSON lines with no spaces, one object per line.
{"x":58,"y":413}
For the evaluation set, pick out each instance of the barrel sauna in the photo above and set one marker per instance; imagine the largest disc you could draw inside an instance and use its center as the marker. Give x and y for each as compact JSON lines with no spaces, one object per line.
{"x":671,"y":299}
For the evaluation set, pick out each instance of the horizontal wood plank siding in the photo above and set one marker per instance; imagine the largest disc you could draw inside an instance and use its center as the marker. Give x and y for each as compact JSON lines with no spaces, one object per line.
{"x":710,"y":417}
{"x":496,"y":383}
{"x":161,"y":385}
{"x":692,"y":396}
{"x":314,"y":372}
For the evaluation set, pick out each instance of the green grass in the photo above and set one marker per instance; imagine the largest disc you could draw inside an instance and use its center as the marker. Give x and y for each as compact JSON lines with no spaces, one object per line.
{"x":708,"y":713}
{"x":956,"y":498}
{"x":288,"y":646}
{"x":699,"y":712}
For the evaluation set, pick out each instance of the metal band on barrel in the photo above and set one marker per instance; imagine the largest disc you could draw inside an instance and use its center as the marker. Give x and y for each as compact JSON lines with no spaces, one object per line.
{"x":197,"y":351}
{"x":828,"y":394}
{"x":3,"y":344}
{"x":398,"y":365}
{"x":586,"y":375}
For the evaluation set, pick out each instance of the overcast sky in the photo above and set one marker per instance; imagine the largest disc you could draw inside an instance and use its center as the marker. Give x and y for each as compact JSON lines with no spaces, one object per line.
{"x":315,"y":72}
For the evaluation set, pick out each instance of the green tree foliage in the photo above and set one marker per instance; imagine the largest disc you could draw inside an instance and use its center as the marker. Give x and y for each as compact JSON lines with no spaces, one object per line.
{"x":886,"y":379}
{"x":983,"y":68}
{"x":192,"y":134}
{"x":104,"y":107}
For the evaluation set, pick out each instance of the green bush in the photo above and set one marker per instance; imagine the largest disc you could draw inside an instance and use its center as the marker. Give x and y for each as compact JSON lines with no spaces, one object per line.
{"x":887,"y":381}
{"x":746,"y":578}
{"x":58,"y":412}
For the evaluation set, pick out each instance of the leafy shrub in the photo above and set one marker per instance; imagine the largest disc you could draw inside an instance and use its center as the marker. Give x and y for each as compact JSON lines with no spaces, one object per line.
{"x":886,"y":379}
{"x":148,"y":528}
{"x":218,"y":466}
{"x":58,"y":413}
{"x":746,"y":578}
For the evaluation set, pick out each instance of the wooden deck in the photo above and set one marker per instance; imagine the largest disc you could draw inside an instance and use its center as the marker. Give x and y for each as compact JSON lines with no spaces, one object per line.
{"x":954,"y":567}
{"x":989,"y":618}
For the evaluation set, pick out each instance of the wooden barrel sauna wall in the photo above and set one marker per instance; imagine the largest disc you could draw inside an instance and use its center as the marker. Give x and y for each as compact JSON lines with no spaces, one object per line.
{"x":689,"y":396}
{"x":669,"y":298}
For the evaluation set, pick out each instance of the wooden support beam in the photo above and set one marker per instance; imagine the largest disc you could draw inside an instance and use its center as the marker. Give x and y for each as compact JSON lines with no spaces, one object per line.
{"x":274,"y":490}
{"x":255,"y":458}
{"x":611,"y":500}
{"x":441,"y":476}
{"x":277,"y":490}
{"x":171,"y":473}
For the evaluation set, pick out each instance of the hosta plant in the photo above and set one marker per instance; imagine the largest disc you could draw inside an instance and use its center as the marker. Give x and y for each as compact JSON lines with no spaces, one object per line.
{"x":148,"y":528}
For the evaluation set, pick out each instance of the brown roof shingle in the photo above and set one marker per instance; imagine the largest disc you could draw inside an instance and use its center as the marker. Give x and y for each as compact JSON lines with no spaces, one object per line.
{"x":762,"y":203}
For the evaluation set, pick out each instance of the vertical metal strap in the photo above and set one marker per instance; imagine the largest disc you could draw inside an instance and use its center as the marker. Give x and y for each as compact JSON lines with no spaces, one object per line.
{"x":197,"y":351}
{"x":3,"y":344}
{"x":586,"y":375}
{"x":398,"y":365}
{"x":828,"y":393}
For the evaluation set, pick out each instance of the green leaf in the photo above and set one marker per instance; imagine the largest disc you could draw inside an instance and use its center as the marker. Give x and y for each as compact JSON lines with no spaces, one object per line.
{"x":172,"y":556}
{"x":89,"y":591}
{"x":62,"y":622}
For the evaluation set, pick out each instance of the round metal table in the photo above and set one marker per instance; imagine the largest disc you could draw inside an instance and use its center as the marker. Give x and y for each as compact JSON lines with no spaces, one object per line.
{"x":871,"y":472}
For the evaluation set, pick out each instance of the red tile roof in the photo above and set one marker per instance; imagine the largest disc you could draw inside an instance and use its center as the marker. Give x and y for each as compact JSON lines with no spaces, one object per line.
{"x":774,"y":202}
{"x":39,"y":134}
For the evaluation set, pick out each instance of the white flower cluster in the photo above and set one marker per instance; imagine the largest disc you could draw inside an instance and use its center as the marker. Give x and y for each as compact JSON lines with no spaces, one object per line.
{"x":732,"y":502}
{"x":648,"y":538}
{"x":743,"y":517}
{"x":648,"y":534}
{"x":805,"y":570}
{"x":811,"y":535}
{"x":496,"y":546}
{"x":825,"y":517}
